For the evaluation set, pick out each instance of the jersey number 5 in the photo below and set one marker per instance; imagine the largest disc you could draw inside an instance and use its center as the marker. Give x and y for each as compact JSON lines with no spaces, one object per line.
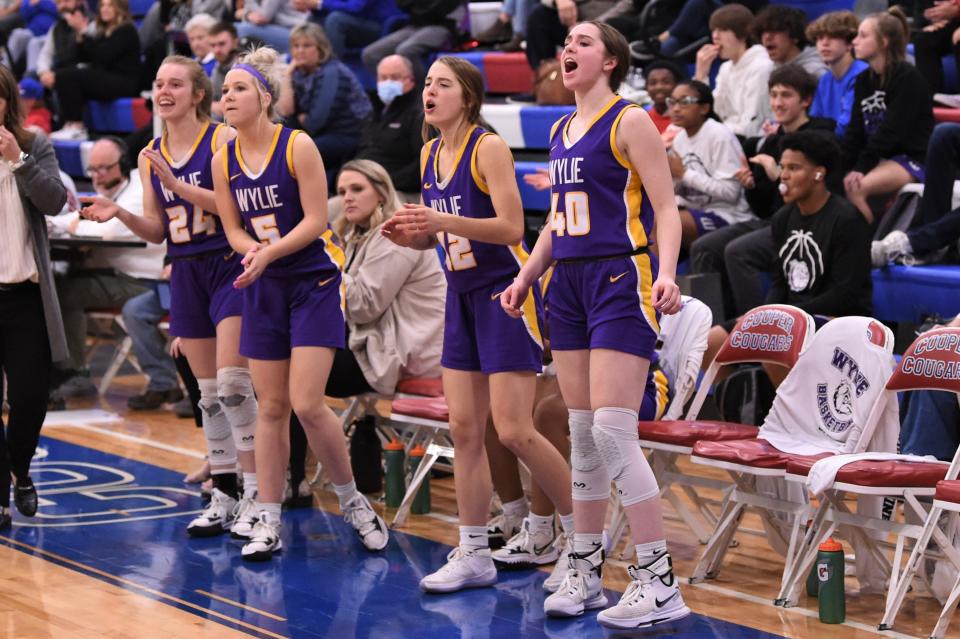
{"x":180,"y":232}
{"x":574,"y":219}
{"x":265,"y":226}
{"x":459,"y":253}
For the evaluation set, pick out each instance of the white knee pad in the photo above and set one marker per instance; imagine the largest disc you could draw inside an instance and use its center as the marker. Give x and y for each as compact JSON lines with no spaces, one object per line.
{"x":235,"y":390}
{"x":221,"y":450}
{"x":615,"y":432}
{"x":588,"y":473}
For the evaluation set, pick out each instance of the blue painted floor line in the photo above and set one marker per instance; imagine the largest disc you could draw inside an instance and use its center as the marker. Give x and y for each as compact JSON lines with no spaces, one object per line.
{"x":124,"y":521}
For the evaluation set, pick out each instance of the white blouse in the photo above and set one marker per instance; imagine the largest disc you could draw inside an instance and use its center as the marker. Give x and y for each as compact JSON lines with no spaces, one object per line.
{"x":17,"y":263}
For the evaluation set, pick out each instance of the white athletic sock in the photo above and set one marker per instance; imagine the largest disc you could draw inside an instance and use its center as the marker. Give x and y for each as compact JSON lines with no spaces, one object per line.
{"x":541,"y":524}
{"x":345,"y":493}
{"x":650,"y":551}
{"x":272,"y":511}
{"x":517,"y":509}
{"x":473,"y":538}
{"x":586,"y":543}
{"x":250,"y":486}
{"x":566,"y":522}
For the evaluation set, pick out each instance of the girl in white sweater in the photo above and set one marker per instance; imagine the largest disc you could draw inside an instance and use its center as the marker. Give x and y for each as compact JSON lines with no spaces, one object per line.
{"x":705,"y":157}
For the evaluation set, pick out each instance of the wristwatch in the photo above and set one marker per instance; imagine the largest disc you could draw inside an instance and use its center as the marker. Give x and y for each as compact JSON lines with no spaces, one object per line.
{"x":20,"y":161}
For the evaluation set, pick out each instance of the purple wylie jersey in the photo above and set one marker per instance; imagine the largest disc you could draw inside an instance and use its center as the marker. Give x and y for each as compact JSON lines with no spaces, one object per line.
{"x":189,"y":229}
{"x":269,"y":203}
{"x":599,"y":207}
{"x":468,"y":264}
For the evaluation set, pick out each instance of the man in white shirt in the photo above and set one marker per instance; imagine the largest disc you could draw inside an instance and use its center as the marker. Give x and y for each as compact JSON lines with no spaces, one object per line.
{"x":106,"y":277}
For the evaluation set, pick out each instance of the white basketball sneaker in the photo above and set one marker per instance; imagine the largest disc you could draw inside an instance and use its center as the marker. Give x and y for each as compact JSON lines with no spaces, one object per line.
{"x":652,"y":597}
{"x":369,"y":525}
{"x":264,"y":541}
{"x":471,"y":569}
{"x":215,"y":518}
{"x":581,"y":588}
{"x":527,"y":549}
{"x":565,"y":546}
{"x":245,"y":517}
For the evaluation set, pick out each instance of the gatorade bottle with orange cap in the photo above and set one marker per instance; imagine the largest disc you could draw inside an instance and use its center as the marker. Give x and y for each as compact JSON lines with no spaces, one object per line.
{"x":395,"y":484}
{"x":833,"y":605}
{"x":421,"y":503}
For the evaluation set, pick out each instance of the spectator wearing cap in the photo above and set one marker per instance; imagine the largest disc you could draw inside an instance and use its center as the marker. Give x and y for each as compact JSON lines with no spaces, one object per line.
{"x":36,"y":116}
{"x":780,"y":30}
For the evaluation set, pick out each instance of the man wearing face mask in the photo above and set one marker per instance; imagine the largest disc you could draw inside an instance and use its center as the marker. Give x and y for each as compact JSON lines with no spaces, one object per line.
{"x":106,"y":277}
{"x":391,"y":136}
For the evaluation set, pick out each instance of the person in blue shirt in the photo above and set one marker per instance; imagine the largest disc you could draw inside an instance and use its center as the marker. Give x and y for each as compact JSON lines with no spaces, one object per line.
{"x":350,"y":23}
{"x":833,"y":34}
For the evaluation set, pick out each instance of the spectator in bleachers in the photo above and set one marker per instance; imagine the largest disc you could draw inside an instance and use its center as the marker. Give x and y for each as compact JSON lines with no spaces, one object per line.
{"x":392,"y":135}
{"x":821,"y":243}
{"x":743,"y":251}
{"x":661,"y":79}
{"x":693,"y":23}
{"x":141,"y":316}
{"x":704,"y":161}
{"x":10,"y":18}
{"x":936,"y":225}
{"x":322,"y":96}
{"x":548,"y":23}
{"x":36,"y":116}
{"x":166,"y":18}
{"x":350,"y":23}
{"x":935,"y":40}
{"x":741,"y":87}
{"x":224,"y":45}
{"x":108,"y":51}
{"x":107,"y":277}
{"x":892,"y":116}
{"x":37,"y":16}
{"x":198,"y":35}
{"x":510,"y":29}
{"x":833,"y":34}
{"x":59,"y":50}
{"x":31,"y":331}
{"x":434,"y":24}
{"x":780,"y":30}
{"x":270,"y":21}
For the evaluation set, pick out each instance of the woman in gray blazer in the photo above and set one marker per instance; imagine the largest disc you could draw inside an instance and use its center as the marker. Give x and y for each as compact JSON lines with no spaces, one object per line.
{"x":31,"y":330}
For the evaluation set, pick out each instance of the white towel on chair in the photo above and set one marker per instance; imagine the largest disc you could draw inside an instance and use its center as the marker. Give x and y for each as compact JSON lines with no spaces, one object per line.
{"x":824,"y":472}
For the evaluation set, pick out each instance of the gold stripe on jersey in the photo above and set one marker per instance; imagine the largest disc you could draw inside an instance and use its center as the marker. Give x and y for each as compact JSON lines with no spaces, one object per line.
{"x":266,"y":160}
{"x":193,"y":148}
{"x":213,"y":138}
{"x":633,"y":191}
{"x":475,"y":170}
{"x":663,"y":392}
{"x":334,"y":252}
{"x":293,"y":134}
{"x":456,"y":158}
{"x":424,"y":157}
{"x":226,"y":164}
{"x":600,"y":114}
{"x":531,"y":319}
{"x":645,"y":289}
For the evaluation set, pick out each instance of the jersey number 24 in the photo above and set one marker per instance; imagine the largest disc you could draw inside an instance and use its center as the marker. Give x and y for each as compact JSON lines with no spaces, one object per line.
{"x":180,"y":231}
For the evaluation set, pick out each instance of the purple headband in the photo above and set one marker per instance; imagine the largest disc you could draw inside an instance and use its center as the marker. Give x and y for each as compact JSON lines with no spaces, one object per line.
{"x":256,"y":74}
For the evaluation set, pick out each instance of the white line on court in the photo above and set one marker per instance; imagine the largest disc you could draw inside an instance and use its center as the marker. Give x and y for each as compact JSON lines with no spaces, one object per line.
{"x":133,"y":438}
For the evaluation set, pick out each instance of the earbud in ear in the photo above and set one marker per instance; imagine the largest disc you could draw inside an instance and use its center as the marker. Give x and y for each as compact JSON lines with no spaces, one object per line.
{"x":818,"y":176}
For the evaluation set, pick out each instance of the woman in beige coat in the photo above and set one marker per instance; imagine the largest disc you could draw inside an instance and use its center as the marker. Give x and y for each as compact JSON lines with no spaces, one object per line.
{"x":394,"y":295}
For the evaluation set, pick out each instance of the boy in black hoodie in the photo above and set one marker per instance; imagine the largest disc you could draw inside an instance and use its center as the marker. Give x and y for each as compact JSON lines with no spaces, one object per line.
{"x":741,"y":252}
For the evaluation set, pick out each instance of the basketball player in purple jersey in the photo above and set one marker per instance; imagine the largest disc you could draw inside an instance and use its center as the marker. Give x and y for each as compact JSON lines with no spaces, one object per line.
{"x":204,"y":307}
{"x":471,"y":207}
{"x":271,"y":192}
{"x":610,"y":182}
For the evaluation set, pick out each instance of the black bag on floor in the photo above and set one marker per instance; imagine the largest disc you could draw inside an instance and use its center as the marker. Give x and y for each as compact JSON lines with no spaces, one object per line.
{"x":745,"y":397}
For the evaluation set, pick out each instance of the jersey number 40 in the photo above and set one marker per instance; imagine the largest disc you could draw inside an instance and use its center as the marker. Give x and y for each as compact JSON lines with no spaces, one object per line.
{"x":574,"y":219}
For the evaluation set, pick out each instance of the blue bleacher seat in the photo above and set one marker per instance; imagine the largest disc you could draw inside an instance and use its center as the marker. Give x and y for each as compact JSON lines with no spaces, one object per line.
{"x":908,"y":293}
{"x":533,"y":199}
{"x":71,"y":156}
{"x":816,"y":8}
{"x":124,"y":115}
